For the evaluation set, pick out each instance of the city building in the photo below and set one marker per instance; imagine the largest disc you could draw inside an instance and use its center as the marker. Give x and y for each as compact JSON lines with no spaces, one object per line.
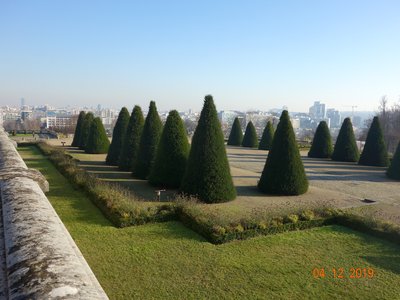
{"x":334,"y":116}
{"x":317,"y":111}
{"x":60,"y":121}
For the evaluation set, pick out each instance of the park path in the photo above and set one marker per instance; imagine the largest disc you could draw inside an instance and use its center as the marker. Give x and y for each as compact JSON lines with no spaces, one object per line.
{"x":332,"y":184}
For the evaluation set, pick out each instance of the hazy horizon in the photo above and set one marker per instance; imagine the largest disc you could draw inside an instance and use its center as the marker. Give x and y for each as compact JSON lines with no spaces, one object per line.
{"x":258,"y":55}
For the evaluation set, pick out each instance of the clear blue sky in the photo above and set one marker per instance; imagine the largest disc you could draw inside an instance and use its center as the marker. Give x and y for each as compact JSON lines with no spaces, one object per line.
{"x":247,"y":54}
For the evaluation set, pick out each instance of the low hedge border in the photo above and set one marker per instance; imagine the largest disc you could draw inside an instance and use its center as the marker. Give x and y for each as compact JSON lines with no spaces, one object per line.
{"x":118,"y":204}
{"x":123,"y":209}
{"x":217,"y":234}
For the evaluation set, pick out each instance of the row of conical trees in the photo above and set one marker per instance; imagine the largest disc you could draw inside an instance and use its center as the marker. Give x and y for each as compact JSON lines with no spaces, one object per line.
{"x":250,"y":138}
{"x":164,"y":157}
{"x":373,"y":154}
{"x":90,"y":134}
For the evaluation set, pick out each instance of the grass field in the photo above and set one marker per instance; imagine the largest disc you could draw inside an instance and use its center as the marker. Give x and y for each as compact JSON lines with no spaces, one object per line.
{"x":159,"y":261}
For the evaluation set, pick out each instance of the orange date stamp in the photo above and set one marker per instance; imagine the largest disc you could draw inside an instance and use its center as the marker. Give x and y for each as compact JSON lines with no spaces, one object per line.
{"x":341,"y":273}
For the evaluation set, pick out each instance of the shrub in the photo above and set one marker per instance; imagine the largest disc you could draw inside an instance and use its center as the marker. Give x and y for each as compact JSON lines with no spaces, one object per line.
{"x":322,"y":143}
{"x":394,"y":168}
{"x":118,"y":136}
{"x":345,"y":147}
{"x":118,"y":204}
{"x":172,"y":153}
{"x":374,"y":152}
{"x":250,"y":138}
{"x":130,"y":145}
{"x":236,"y":135}
{"x":87,"y":123}
{"x":291,"y":219}
{"x":307,"y":215}
{"x":98,"y":141}
{"x":267,"y":137}
{"x":78,"y":130}
{"x":283,"y":172}
{"x":148,"y":143}
{"x":207,"y":174}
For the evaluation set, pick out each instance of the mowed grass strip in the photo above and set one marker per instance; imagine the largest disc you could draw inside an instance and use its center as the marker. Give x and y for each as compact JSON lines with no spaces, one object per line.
{"x":169,"y":261}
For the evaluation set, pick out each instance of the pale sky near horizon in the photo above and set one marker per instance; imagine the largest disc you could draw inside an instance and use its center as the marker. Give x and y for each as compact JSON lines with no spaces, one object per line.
{"x":247,"y":54}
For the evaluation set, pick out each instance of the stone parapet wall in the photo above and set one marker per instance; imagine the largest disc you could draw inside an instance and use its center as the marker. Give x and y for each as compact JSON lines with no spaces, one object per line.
{"x":38,"y":258}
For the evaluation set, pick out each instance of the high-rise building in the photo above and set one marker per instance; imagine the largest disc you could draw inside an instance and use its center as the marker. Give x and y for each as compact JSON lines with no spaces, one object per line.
{"x":335,"y":117}
{"x":317,"y":111}
{"x":22,"y":102}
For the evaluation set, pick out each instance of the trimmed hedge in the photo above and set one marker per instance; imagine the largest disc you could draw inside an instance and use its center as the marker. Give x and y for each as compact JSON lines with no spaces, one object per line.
{"x":118,"y":204}
{"x":123,"y":209}
{"x":236,"y":135}
{"x":98,"y":142}
{"x":322,"y":143}
{"x":148,"y":143}
{"x":394,"y":168}
{"x":250,"y":138}
{"x":172,"y":154}
{"x":130,"y":145}
{"x":78,"y":130}
{"x":345,"y":147}
{"x":118,"y":137}
{"x":283,"y":172}
{"x":267,"y":137}
{"x":208,"y":175}
{"x":374,"y":152}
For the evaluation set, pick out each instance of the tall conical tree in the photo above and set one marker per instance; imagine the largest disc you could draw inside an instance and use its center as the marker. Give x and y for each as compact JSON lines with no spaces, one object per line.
{"x":98,"y":142}
{"x":148,"y":143}
{"x":394,"y":168}
{"x":322,"y":143}
{"x":130,"y":145}
{"x":207,"y":174}
{"x":78,"y":130}
{"x":87,"y":123}
{"x":267,"y":137}
{"x":250,"y":138}
{"x":283,"y":172}
{"x":374,"y":152}
{"x":172,"y":153}
{"x":346,"y":147}
{"x":118,"y":136}
{"x":236,"y":135}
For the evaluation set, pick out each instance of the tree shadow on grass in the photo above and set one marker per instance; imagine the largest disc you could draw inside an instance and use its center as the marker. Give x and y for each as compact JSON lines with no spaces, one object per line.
{"x":250,"y":191}
{"x":239,"y":155}
{"x":174,"y":230}
{"x":389,"y":263}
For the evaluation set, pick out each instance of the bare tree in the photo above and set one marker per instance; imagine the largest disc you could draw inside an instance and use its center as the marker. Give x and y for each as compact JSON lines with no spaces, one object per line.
{"x":389,"y":118}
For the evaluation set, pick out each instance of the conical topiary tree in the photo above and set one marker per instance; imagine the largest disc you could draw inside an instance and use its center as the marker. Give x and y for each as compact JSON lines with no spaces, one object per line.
{"x":130,"y":145}
{"x":98,"y":142}
{"x":207,"y":174}
{"x":267,"y":137}
{"x":283,"y":172}
{"x":172,"y":153}
{"x":236,"y":135}
{"x":322,"y":143}
{"x":118,"y":136}
{"x":78,"y":130}
{"x":394,"y":168}
{"x":87,"y":123}
{"x":374,"y":152}
{"x":148,"y":143}
{"x":346,"y":147}
{"x":250,"y":138}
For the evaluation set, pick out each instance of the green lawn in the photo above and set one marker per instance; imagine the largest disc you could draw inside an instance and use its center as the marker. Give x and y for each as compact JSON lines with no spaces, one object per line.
{"x":159,"y":261}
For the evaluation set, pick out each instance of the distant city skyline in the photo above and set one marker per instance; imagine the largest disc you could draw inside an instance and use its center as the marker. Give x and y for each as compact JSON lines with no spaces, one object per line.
{"x":249,"y":55}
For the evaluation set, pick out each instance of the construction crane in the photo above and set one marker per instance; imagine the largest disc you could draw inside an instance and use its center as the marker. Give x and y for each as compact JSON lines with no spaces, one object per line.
{"x":352,"y":110}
